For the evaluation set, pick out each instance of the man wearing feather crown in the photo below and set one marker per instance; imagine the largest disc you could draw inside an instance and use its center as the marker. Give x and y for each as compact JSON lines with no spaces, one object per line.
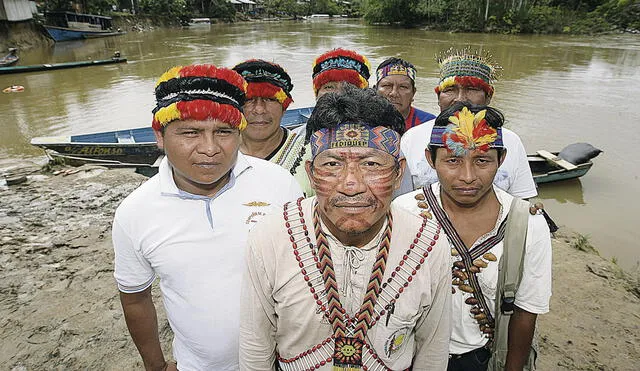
{"x":466,"y":76}
{"x":490,"y":326}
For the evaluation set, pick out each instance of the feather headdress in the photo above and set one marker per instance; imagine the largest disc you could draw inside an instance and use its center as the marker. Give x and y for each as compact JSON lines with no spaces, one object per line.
{"x":266,"y":80}
{"x":467,"y":68}
{"x":466,"y":132}
{"x":200,"y":92}
{"x":341,"y":65}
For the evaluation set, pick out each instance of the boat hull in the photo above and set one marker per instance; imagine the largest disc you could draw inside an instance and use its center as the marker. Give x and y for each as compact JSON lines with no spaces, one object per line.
{"x":117,"y":154}
{"x":126,"y":148}
{"x":68,"y":34}
{"x":58,"y":66}
{"x":9,"y":60}
{"x":544,"y":172}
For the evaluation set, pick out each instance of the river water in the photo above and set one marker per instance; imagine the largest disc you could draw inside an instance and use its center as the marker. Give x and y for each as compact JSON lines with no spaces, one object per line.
{"x":554,"y":91}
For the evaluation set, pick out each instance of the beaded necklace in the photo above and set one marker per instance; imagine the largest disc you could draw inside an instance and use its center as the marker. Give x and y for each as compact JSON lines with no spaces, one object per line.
{"x":472,"y":261}
{"x":348,"y":349}
{"x":314,"y":266}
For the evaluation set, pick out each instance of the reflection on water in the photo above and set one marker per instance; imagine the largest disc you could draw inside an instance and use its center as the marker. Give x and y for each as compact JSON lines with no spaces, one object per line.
{"x":554,"y":90}
{"x":568,"y":191}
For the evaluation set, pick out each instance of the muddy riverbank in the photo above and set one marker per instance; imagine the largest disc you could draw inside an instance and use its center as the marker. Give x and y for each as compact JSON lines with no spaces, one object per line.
{"x":59,"y":306}
{"x":29,"y":34}
{"x":22,"y":35}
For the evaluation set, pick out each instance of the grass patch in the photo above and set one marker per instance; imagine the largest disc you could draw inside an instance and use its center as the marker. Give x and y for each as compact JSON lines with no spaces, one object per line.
{"x":582,"y":242}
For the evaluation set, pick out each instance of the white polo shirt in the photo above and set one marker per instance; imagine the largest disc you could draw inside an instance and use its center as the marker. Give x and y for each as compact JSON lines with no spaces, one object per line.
{"x":196,"y":245}
{"x":514,"y":175}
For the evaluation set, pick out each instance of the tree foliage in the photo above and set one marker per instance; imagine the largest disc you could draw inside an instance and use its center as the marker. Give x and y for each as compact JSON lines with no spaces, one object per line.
{"x":509,"y":16}
{"x":404,"y":12}
{"x":506,"y":16}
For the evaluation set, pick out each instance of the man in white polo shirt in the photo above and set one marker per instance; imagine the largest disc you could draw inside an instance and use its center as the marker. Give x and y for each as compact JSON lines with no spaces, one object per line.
{"x":468,"y":77}
{"x":188,"y":224}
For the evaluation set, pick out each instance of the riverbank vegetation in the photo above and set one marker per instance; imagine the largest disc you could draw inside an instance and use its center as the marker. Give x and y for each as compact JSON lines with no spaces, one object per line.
{"x":509,"y":16}
{"x":500,"y":16}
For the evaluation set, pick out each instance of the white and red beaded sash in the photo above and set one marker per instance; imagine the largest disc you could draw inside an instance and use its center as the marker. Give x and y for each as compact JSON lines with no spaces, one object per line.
{"x":465,"y":271}
{"x":390,"y":291}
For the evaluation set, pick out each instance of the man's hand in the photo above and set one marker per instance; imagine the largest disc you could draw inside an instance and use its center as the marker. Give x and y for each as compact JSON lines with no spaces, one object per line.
{"x":140,"y":315}
{"x":521,"y":327}
{"x":170,"y":366}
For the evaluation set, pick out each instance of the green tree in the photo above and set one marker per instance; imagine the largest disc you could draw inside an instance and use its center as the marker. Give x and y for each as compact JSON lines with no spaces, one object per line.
{"x":290,"y":7}
{"x":173,"y":9}
{"x":405,"y":12}
{"x":324,"y":7}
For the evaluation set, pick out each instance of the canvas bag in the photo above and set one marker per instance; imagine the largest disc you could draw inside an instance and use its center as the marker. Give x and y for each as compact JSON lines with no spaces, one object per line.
{"x":509,"y":276}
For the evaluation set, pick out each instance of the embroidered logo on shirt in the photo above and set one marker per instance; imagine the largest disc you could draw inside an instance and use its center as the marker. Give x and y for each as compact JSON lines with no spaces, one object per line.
{"x":253,"y":217}
{"x":395,"y":341}
{"x":257,"y":203}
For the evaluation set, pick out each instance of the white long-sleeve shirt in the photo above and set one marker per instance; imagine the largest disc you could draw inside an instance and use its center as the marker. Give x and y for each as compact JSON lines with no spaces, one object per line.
{"x":280,"y":317}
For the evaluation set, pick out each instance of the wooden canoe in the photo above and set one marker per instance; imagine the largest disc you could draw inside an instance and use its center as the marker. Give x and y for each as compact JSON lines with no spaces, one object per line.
{"x":126,"y":148}
{"x":546,"y":169}
{"x":9,"y":59}
{"x":57,"y":66}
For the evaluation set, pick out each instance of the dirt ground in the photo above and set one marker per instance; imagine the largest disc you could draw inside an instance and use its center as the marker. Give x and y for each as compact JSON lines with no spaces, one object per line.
{"x":59,"y":307}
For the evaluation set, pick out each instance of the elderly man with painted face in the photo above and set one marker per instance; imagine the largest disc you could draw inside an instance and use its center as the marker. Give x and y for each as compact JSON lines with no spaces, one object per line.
{"x":466,"y":149}
{"x":343,"y":281}
{"x":188,"y":225}
{"x":397,"y":82}
{"x":469,"y":77}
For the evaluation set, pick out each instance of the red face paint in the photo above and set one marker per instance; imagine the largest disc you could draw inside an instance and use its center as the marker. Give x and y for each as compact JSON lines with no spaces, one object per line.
{"x":354,"y":188}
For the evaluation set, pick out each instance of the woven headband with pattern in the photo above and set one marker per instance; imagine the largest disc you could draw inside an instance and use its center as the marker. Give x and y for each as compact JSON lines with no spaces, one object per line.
{"x":266,"y":80}
{"x":257,"y":70}
{"x":350,"y":134}
{"x":342,"y":63}
{"x":467,"y":69}
{"x":466,"y":132}
{"x":466,"y":66}
{"x":396,"y":69}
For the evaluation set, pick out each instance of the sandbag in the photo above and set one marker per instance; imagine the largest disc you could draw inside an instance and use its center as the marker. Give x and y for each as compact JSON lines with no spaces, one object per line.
{"x":579,"y":153}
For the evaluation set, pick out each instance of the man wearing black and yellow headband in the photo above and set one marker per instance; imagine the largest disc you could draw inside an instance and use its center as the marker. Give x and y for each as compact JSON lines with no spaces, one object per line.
{"x":479,"y":219}
{"x":188,"y":224}
{"x":343,"y":281}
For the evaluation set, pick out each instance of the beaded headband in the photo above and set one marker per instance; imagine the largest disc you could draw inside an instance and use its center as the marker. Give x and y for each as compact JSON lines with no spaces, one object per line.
{"x":466,"y":132}
{"x":199,"y":92}
{"x":396,"y":69}
{"x":467,"y":69}
{"x":349,"y":134}
{"x":266,"y":80}
{"x":341,"y":65}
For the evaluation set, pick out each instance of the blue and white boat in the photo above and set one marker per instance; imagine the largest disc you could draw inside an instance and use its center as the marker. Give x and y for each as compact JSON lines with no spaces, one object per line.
{"x":65,"y":26}
{"x":126,"y":148}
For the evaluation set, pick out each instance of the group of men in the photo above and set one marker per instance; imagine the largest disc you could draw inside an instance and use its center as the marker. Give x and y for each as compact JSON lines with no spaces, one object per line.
{"x":256,"y":277}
